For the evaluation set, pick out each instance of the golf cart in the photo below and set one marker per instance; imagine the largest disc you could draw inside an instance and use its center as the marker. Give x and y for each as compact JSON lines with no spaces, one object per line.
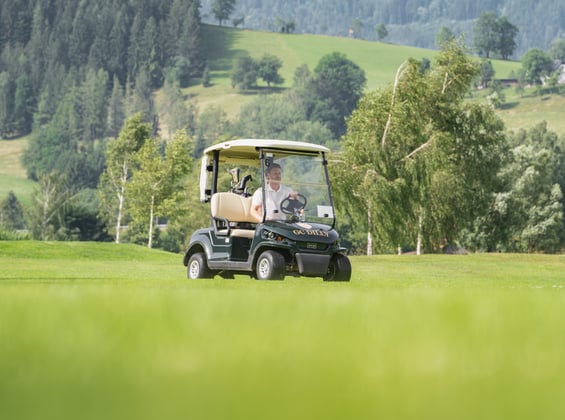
{"x":298,"y":238}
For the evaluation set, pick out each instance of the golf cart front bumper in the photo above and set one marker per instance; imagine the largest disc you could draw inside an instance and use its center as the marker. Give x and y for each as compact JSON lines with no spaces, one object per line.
{"x":312,"y":264}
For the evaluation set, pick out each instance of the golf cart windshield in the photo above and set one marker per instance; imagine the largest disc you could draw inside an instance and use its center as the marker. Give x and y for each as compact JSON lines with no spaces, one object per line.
{"x":305,"y":176}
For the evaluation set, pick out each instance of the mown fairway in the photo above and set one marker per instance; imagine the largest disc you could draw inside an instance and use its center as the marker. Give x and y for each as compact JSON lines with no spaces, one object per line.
{"x":92,"y":331}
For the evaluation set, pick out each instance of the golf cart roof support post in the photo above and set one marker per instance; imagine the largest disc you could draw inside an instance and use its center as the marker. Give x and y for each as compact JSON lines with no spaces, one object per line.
{"x":262,"y":160}
{"x":215,"y":165}
{"x":325,"y":165}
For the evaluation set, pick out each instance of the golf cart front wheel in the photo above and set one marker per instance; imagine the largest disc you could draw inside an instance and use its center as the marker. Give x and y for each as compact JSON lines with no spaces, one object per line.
{"x":339,"y":269}
{"x":270,"y":266}
{"x":197,"y":267}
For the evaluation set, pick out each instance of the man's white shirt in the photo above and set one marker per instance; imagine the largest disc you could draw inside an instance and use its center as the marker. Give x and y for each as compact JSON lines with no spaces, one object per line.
{"x":273,"y":199}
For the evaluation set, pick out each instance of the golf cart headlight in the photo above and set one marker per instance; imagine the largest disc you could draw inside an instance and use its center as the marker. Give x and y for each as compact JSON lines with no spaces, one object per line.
{"x":272,"y":236}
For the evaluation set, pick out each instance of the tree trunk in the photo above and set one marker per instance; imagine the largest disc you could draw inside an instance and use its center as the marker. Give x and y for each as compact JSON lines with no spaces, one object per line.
{"x":119,"y":221}
{"x":150,"y":241}
{"x":420,"y":223}
{"x":369,"y":236}
{"x":121,"y":198}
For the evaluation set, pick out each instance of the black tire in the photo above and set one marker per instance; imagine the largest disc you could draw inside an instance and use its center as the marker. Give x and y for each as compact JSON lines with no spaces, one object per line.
{"x":270,"y":266}
{"x":197,"y":267}
{"x":339,"y":269}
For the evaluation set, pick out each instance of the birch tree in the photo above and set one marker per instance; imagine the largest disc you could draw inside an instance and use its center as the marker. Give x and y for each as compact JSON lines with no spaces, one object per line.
{"x":113,"y":184}
{"x":417,"y":160}
{"x":51,"y":199}
{"x":156,"y":182}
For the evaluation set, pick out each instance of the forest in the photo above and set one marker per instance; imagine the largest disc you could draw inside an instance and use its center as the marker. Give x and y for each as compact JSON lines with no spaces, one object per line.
{"x":408,"y":22}
{"x":81,"y":79}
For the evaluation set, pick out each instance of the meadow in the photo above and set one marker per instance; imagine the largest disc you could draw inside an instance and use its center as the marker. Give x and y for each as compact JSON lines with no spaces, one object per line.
{"x":94,"y":330}
{"x":379,"y":60}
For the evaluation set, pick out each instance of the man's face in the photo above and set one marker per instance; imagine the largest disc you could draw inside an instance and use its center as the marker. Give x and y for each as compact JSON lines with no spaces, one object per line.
{"x":275,"y":176}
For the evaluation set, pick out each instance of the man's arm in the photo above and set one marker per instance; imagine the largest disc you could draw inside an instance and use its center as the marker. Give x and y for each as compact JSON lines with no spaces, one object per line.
{"x":256,"y":212}
{"x":256,"y":209}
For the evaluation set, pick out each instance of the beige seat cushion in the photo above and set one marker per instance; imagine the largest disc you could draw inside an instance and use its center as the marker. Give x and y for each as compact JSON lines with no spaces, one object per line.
{"x":233,"y":208}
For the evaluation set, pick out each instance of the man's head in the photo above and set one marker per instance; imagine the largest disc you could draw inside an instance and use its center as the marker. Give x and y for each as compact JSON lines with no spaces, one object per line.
{"x":274,"y":174}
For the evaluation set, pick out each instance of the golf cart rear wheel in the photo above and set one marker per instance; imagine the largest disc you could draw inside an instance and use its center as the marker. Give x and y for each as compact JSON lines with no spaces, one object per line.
{"x":270,"y":266}
{"x":339,"y":269}
{"x":197,"y":267}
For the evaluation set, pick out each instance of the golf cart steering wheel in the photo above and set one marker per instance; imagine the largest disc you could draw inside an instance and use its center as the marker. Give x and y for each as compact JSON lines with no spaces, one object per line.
{"x":293,"y":205}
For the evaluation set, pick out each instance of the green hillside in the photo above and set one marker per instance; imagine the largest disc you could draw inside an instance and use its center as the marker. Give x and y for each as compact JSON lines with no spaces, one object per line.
{"x":379,"y":61}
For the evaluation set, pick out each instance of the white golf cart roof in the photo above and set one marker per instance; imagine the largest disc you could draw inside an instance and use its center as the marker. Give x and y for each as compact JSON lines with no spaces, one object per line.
{"x":248,"y":149}
{"x":246,"y":152}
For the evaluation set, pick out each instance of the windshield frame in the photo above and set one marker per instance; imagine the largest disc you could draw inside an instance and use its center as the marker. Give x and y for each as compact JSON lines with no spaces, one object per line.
{"x":268,"y":154}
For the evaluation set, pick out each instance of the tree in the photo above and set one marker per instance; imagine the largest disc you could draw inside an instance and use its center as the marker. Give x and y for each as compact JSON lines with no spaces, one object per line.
{"x":302,"y":76}
{"x":496,"y":97}
{"x":6,"y":105}
{"x":94,"y":105}
{"x":156,"y":180}
{"x":212,"y":123}
{"x":333,"y":91}
{"x":50,"y":199}
{"x":206,"y":77}
{"x":494,"y":35}
{"x":536,"y":64}
{"x":486,"y":34}
{"x":176,"y":114}
{"x":190,"y":40}
{"x":290,"y":27}
{"x":557,"y":50}
{"x":11,"y":213}
{"x":444,"y":36}
{"x":486,"y":73}
{"x":23,"y":105}
{"x":222,"y":9}
{"x":238,"y":21}
{"x":418,"y":162}
{"x":140,"y":97}
{"x":382,"y":31}
{"x":507,"y":34}
{"x":268,"y":117}
{"x":245,"y":73}
{"x":120,"y":155}
{"x":268,"y":69}
{"x":116,"y":109}
{"x":526,"y":213}
{"x":356,"y":27}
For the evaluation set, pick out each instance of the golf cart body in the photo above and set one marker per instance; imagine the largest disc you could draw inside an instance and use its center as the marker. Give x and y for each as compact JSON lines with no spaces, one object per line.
{"x":298,"y":238}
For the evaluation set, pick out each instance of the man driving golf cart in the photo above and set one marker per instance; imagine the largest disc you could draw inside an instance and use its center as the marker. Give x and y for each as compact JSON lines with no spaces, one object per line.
{"x":275,"y":193}
{"x":293,"y":234}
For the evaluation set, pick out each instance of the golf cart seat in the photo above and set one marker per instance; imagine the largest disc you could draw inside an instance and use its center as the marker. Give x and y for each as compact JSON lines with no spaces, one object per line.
{"x":231,"y":215}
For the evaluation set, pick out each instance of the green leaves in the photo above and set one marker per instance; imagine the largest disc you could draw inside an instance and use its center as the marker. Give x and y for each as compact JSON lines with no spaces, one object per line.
{"x":418,"y":159}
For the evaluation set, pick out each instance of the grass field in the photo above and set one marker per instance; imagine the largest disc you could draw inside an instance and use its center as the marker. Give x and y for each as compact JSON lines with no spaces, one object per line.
{"x":109,"y":331}
{"x":13,"y":176}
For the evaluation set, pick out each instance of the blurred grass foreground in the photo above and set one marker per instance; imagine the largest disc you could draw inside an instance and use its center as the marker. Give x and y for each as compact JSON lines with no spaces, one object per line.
{"x":105,"y":331}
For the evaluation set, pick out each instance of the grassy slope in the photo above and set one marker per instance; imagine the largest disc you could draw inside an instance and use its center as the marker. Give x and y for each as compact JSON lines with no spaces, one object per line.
{"x":106,"y":331}
{"x":379,"y":60}
{"x":12,"y":174}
